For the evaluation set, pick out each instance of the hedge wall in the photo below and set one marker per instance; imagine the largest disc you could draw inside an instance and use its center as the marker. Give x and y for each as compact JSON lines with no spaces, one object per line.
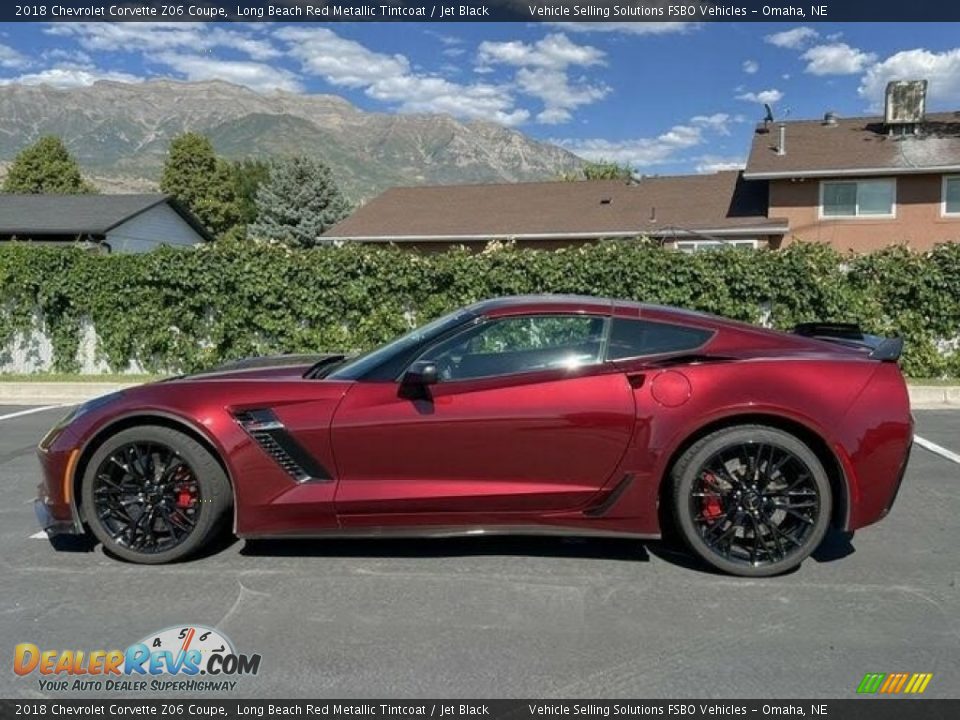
{"x":183,"y":310}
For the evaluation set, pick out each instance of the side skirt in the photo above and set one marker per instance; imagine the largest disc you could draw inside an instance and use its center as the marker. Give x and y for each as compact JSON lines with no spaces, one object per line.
{"x":453,"y":532}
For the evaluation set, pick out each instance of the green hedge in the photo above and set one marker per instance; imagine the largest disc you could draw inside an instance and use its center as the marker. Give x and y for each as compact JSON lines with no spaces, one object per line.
{"x":183,"y":310}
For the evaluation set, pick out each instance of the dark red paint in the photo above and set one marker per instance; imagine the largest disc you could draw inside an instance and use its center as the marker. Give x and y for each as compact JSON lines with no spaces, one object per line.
{"x":535,"y":451}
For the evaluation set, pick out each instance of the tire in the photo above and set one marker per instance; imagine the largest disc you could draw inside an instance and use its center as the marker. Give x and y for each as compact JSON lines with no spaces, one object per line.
{"x":154,"y":495}
{"x":751,"y":500}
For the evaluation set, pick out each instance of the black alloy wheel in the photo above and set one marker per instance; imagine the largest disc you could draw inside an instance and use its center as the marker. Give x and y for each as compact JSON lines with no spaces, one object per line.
{"x":153,"y":495}
{"x":751,"y":500}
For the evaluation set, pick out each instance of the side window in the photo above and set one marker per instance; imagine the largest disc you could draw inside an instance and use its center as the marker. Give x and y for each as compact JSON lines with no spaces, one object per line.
{"x":520,"y":344}
{"x":633,"y":338}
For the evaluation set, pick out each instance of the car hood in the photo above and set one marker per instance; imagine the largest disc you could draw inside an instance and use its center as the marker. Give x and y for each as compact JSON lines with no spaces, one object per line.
{"x":273,"y":366}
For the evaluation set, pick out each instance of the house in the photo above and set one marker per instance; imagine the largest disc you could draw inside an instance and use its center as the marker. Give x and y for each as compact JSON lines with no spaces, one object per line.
{"x":863,"y":183}
{"x":687,"y":212}
{"x":856,"y":183}
{"x":108,"y":223}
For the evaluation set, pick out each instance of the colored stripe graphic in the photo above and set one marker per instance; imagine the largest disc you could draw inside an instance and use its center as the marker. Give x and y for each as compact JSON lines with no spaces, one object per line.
{"x":894,"y":683}
{"x":871,"y":682}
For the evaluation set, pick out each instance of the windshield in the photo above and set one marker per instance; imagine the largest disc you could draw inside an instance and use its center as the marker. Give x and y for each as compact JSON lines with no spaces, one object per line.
{"x":361,"y":365}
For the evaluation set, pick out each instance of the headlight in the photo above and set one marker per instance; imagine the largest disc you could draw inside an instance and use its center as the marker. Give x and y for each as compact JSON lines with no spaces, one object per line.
{"x":77,"y":412}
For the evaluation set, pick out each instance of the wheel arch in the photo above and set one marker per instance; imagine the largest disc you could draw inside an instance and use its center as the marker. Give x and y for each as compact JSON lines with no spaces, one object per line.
{"x":152,"y":417}
{"x":813,"y":439}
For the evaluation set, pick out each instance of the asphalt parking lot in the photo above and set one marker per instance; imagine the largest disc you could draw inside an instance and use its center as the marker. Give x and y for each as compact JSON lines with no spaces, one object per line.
{"x":513,"y":617}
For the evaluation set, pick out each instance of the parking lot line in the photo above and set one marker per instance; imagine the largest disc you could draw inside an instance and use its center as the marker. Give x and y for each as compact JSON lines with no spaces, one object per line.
{"x":42,"y":535}
{"x":28,"y":412}
{"x":934,"y":448}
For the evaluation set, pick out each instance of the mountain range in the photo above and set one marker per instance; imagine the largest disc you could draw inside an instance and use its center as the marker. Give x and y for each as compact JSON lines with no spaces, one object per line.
{"x":119,"y":132}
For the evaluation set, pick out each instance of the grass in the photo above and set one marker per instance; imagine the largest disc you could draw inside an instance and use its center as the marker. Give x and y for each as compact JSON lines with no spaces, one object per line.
{"x":940,"y":382}
{"x":73,"y":378}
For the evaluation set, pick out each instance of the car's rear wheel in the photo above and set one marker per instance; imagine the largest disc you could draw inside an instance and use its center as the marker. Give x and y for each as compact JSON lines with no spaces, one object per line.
{"x":154,"y":495}
{"x":751,"y":500}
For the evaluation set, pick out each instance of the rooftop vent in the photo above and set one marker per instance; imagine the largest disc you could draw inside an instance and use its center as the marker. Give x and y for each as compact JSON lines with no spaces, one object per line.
{"x":830,"y":118}
{"x":906,"y":104}
{"x":605,"y":201}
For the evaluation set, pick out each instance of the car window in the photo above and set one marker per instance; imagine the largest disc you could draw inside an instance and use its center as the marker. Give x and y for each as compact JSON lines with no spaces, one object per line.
{"x":633,"y":338}
{"x":520,"y":344}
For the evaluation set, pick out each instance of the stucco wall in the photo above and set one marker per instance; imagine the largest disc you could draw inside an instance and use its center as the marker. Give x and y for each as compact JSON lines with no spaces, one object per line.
{"x":918,"y":218}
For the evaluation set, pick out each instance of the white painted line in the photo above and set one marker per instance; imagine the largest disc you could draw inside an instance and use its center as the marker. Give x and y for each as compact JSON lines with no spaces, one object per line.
{"x":28,"y":412}
{"x":42,"y":535}
{"x":937,"y":449}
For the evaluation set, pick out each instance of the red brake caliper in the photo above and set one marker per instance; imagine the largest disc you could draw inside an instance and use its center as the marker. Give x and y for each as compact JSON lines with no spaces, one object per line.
{"x":186,"y":497}
{"x":712,"y":507}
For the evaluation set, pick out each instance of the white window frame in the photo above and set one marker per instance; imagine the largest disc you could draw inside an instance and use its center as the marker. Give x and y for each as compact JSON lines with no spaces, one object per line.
{"x":943,"y":197}
{"x":857,"y":215}
{"x":692,"y":246}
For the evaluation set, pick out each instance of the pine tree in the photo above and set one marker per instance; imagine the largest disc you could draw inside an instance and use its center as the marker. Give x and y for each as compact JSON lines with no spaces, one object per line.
{"x":298,"y":203}
{"x":200,"y":180}
{"x":46,"y":167}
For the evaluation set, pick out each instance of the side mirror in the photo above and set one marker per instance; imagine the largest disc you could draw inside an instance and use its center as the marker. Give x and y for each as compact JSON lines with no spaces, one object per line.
{"x":421,"y":374}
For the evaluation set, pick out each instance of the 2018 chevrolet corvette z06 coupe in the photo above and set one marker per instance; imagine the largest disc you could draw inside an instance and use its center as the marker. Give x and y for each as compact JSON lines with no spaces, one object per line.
{"x":540,"y":414}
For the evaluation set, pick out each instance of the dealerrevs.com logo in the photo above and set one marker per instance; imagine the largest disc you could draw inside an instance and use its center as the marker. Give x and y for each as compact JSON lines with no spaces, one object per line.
{"x":183,"y":658}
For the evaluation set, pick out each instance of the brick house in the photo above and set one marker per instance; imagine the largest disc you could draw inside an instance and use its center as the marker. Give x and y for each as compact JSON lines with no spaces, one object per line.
{"x":856,"y":183}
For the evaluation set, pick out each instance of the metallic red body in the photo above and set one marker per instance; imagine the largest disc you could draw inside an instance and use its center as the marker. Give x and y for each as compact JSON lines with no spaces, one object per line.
{"x":580,"y":451}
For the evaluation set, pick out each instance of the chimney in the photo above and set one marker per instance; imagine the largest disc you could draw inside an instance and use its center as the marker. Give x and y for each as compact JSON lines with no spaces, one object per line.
{"x":782,"y":144}
{"x":905,"y":106}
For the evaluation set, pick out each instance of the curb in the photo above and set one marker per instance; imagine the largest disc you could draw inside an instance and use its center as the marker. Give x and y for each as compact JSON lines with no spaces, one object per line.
{"x":55,"y":393}
{"x":922,"y":397}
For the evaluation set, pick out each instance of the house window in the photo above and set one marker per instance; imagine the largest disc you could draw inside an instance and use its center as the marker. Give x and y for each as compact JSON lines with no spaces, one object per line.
{"x":951,"y":195}
{"x":857,"y":198}
{"x":691,"y":246}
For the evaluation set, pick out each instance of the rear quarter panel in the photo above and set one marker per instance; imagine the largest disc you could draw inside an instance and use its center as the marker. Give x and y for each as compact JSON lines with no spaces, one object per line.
{"x":815,"y":393}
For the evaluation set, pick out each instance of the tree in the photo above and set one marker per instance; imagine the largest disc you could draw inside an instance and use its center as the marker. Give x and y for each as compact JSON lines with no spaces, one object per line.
{"x":298,"y":203}
{"x":200,"y":180}
{"x":46,"y":167}
{"x":601,"y":170}
{"x":248,"y":175}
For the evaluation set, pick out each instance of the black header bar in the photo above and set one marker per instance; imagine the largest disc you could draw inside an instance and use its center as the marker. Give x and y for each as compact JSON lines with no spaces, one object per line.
{"x":853,"y":709}
{"x":483,"y":10}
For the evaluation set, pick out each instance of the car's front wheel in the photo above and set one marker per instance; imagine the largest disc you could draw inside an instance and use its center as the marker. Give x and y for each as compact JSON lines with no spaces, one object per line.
{"x":751,"y":500}
{"x":154,"y":495}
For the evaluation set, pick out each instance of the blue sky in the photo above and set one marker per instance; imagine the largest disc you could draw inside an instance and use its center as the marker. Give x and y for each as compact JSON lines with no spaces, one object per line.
{"x":663,"y":97}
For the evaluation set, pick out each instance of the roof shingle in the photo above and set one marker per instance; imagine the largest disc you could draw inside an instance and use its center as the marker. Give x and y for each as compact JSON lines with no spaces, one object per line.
{"x":855,"y":146}
{"x":585,"y":209}
{"x":36,"y":215}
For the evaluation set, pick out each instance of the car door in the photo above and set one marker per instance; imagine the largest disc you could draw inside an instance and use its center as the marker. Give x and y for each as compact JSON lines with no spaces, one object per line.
{"x":525,"y":417}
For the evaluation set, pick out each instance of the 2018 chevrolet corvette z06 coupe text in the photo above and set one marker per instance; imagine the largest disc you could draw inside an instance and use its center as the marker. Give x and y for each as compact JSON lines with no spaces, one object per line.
{"x":540,"y":414}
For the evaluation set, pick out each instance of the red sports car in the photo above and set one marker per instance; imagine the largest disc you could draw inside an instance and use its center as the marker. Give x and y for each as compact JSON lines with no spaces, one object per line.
{"x":541,"y":414}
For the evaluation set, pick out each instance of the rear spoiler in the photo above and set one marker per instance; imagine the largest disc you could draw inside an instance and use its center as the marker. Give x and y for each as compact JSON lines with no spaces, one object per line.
{"x":850,"y":334}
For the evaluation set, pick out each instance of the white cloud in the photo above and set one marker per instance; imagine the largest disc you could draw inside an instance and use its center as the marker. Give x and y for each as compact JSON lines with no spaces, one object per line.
{"x":631,"y":28}
{"x":12,"y":59}
{"x":764,"y":96}
{"x":718,"y":163}
{"x":644,"y":152}
{"x":750,"y":67}
{"x":718,"y":122}
{"x":555,"y":51}
{"x":836,"y":59}
{"x":941,"y":69}
{"x":149,"y":37}
{"x":256,"y":76}
{"x":69,"y":76}
{"x":793,"y":39}
{"x":391,"y":78}
{"x":543,"y":73}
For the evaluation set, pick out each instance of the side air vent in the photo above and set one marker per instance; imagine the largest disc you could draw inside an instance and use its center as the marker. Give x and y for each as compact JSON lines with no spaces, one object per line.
{"x":271,"y":435}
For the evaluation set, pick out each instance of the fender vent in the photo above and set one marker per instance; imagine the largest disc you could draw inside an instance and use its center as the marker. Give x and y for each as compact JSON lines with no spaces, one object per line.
{"x":271,"y":435}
